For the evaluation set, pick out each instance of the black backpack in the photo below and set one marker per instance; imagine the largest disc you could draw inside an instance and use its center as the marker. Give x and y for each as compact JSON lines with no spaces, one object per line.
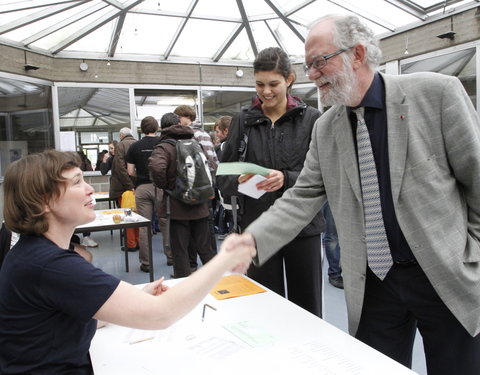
{"x":193,"y":184}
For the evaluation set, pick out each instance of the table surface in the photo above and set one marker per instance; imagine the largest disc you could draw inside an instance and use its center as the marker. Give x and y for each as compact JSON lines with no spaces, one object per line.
{"x":104,"y":221}
{"x":256,"y":334}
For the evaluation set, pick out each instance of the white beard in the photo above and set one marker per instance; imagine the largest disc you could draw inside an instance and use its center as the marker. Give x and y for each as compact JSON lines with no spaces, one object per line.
{"x":342,"y":87}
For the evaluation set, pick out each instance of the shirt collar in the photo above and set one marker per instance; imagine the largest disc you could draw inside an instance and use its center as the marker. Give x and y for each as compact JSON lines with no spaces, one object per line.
{"x":374,"y":97}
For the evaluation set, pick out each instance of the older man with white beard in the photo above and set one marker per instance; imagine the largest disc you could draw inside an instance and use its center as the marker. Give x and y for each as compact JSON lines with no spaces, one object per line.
{"x":398,"y":158}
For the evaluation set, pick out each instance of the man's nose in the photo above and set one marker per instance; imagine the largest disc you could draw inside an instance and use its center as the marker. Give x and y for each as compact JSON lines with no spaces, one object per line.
{"x":314,"y":74}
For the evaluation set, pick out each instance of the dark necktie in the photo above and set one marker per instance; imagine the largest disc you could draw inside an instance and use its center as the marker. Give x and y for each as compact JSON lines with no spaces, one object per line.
{"x":378,"y":250}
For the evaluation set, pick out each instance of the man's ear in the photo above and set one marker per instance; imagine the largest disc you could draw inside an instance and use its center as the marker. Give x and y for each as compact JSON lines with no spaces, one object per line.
{"x":359,"y":56}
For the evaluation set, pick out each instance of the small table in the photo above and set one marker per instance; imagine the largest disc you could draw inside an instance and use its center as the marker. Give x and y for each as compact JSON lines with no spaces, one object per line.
{"x":104,"y":221}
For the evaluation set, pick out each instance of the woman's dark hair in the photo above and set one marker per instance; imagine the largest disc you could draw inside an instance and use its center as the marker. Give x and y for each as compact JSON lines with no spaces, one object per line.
{"x":273,"y":59}
{"x":169,"y":119}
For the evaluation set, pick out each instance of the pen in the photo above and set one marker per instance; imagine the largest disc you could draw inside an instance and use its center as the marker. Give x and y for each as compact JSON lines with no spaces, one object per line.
{"x":203,"y":312}
{"x":141,"y":340}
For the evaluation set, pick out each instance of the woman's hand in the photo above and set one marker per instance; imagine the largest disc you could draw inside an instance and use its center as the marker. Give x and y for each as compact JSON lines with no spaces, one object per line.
{"x":245,"y":177}
{"x":245,"y":248}
{"x":155,"y":288}
{"x":275,"y":180}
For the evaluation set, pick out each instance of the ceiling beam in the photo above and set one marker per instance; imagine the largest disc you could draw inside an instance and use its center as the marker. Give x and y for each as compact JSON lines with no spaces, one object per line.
{"x":40,"y":15}
{"x":409,"y":7}
{"x":300,"y":7}
{"x":50,"y":30}
{"x":370,"y":17}
{"x":112,"y":47}
{"x":11,"y":8}
{"x":276,"y":37}
{"x":93,"y":26}
{"x":180,"y":28}
{"x":248,"y":29}
{"x":228,"y":42}
{"x":114,"y":3}
{"x":285,"y":20}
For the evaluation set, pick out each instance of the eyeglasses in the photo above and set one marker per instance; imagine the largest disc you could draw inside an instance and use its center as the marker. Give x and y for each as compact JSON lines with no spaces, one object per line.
{"x":319,"y":62}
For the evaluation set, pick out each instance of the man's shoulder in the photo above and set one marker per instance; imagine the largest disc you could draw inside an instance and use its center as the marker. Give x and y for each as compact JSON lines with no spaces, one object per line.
{"x":418,"y":79}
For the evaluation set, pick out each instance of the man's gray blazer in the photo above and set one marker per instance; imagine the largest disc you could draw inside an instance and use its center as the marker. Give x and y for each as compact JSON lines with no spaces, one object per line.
{"x":434,"y":152}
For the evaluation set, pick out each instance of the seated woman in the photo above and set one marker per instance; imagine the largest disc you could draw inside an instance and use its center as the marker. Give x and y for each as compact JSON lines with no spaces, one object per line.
{"x":50,"y":296}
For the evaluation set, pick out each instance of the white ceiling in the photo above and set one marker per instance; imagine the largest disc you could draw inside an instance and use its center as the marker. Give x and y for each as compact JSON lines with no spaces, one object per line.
{"x":208,"y":31}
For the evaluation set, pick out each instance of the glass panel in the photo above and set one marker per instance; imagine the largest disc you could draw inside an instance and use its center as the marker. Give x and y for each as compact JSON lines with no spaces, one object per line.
{"x":97,"y":114}
{"x":157,"y":102}
{"x":99,"y":137}
{"x":222,"y":103}
{"x":26,"y":124}
{"x":461,"y":64}
{"x":309,"y":94}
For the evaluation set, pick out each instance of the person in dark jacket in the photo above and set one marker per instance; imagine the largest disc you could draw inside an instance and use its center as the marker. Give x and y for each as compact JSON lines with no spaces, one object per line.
{"x":107,"y":161}
{"x":121,"y":181}
{"x":187,"y":222}
{"x":278,"y":127}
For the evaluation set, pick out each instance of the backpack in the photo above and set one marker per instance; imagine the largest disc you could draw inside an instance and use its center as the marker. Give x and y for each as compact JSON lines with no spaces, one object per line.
{"x":193,"y":183}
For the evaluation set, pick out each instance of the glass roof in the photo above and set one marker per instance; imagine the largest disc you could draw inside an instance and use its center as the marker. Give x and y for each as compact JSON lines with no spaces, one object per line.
{"x":208,"y":31}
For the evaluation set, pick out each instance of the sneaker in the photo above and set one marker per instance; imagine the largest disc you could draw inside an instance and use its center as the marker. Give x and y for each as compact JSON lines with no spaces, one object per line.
{"x":336,"y":281}
{"x":87,"y":241}
{"x":144,"y":267}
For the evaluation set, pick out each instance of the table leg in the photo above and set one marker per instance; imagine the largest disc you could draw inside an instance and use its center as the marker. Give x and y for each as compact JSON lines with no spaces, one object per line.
{"x":123,"y":237}
{"x":150,"y":252}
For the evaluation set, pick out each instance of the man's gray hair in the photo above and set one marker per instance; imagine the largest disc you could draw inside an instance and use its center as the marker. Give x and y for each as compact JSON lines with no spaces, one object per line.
{"x":126,"y":131}
{"x":349,"y":31}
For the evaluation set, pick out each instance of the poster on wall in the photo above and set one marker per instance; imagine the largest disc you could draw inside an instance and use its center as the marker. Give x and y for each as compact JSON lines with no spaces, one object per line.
{"x":67,"y":141}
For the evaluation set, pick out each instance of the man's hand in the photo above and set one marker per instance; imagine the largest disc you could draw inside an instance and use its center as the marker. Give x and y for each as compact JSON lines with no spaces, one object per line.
{"x":233,"y":241}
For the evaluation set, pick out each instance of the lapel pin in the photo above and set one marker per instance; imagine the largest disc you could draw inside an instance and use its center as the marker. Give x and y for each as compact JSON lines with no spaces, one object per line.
{"x":402,"y":117}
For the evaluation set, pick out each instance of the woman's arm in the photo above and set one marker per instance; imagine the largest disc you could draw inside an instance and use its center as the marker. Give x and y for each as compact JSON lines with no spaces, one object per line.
{"x":131,"y":307}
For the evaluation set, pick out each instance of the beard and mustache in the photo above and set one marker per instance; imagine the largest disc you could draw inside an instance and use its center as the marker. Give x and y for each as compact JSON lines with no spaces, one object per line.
{"x":342,"y":86}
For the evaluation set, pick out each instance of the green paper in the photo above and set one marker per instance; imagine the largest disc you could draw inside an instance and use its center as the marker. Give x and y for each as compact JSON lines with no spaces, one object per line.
{"x":251,"y":333}
{"x":237,"y":168}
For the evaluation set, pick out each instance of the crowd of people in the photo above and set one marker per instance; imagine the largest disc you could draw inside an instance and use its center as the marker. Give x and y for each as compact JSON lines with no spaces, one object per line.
{"x":387,"y":174}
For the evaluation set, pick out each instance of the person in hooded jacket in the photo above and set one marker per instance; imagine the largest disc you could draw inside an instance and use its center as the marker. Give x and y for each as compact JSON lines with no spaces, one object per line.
{"x":186,"y":222}
{"x":275,"y":132}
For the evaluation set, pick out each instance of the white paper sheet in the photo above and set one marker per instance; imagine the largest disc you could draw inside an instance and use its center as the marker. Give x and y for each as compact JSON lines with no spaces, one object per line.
{"x":249,"y":187}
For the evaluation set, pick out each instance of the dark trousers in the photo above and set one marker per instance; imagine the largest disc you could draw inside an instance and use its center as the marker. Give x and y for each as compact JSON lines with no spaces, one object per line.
{"x":405,"y":300}
{"x":181,"y":233}
{"x":303,"y":272}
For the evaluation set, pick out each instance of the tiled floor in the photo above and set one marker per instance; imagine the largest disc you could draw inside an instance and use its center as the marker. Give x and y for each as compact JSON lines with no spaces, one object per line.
{"x":110,"y":258}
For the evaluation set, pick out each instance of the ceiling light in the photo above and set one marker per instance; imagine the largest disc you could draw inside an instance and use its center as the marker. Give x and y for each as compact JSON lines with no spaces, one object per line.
{"x":30,"y":67}
{"x":239,"y":73}
{"x":83,"y":66}
{"x":448,"y":35}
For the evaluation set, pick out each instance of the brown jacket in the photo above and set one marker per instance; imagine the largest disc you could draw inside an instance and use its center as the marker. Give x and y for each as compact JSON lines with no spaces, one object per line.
{"x":120,"y":180}
{"x":163,"y":169}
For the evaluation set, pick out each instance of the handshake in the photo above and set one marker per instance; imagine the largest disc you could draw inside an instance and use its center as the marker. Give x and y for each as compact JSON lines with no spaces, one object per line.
{"x":240,"y":249}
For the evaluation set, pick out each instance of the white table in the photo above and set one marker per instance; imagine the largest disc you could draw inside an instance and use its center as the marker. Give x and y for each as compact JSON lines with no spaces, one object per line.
{"x":284,"y":339}
{"x":104,"y":221}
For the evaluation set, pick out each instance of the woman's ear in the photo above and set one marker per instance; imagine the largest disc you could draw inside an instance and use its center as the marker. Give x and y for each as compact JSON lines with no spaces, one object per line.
{"x":290,"y":80}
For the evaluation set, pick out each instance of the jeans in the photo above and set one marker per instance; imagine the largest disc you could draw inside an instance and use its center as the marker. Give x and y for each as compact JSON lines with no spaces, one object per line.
{"x":330,"y":243}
